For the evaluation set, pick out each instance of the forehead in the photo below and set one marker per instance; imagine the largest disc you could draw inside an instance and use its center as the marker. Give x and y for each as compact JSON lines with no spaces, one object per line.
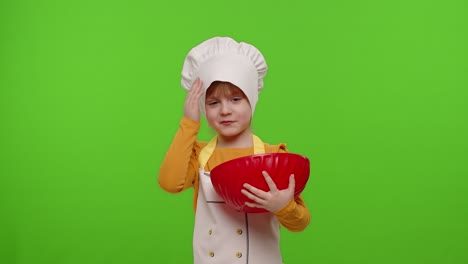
{"x":219,"y":89}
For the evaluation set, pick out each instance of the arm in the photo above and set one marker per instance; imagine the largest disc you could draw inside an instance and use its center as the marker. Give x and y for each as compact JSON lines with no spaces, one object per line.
{"x":180,"y":165}
{"x":295,"y":216}
{"x":179,"y":168}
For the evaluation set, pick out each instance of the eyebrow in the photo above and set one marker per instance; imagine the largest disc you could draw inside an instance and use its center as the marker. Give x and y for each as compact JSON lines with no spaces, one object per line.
{"x":231,"y":94}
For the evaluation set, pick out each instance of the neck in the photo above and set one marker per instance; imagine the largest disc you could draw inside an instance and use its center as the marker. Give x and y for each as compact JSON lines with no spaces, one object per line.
{"x":243,"y":140}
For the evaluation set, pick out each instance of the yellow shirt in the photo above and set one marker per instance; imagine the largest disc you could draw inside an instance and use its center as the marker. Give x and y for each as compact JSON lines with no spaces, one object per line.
{"x":179,"y":170}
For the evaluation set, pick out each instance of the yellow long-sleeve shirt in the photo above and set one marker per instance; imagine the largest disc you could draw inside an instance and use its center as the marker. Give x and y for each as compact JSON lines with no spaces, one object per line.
{"x":179,"y":170}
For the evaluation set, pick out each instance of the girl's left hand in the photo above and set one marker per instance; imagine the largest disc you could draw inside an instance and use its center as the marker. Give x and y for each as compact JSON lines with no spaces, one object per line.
{"x":272,"y":200}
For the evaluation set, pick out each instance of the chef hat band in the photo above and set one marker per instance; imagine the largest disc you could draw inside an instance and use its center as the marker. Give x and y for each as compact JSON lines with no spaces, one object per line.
{"x":223,"y":59}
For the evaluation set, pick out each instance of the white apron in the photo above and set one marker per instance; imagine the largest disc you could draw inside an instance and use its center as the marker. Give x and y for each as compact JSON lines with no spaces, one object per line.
{"x":225,"y":236}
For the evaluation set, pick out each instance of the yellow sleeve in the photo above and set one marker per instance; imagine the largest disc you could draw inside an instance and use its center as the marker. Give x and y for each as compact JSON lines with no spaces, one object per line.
{"x":295,"y":216}
{"x":179,"y":168}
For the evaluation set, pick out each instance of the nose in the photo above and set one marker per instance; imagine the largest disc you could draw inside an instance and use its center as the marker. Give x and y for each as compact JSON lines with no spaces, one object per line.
{"x":225,"y":109}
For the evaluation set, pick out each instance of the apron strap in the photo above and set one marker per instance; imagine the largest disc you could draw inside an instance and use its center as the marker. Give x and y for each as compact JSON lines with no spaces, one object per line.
{"x":207,"y":151}
{"x":259,"y":146}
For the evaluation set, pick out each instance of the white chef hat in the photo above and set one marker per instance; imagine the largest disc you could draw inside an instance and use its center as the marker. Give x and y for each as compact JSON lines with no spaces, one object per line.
{"x":224,"y":59}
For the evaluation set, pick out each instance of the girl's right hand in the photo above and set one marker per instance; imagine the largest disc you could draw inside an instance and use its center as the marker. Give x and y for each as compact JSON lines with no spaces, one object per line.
{"x":191,"y":105}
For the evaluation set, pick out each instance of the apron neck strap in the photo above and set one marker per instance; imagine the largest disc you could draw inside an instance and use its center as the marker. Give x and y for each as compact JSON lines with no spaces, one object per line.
{"x":207,"y":151}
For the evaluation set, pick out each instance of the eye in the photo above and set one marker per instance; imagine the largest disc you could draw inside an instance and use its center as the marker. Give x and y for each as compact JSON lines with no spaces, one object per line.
{"x":236,"y":99}
{"x":212,"y":102}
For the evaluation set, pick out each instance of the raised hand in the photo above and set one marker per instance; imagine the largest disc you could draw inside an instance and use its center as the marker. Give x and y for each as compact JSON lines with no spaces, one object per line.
{"x":191,"y":105}
{"x":272,"y":200}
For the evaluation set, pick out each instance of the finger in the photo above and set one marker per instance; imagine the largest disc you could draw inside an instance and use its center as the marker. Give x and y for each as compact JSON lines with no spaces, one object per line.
{"x":194,"y":97}
{"x":252,"y":197}
{"x":190,"y":101}
{"x":195,"y":92}
{"x":269,"y":181}
{"x":254,"y":205}
{"x":197,"y":84}
{"x":194,"y":85}
{"x":200,"y":90}
{"x":256,"y":191}
{"x":292,"y":183}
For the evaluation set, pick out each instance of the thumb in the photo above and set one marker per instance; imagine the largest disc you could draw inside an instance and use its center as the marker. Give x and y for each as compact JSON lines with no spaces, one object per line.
{"x":292,"y":183}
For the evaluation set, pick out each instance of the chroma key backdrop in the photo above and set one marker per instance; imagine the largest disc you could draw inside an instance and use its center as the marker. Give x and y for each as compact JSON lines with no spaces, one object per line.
{"x":374,"y":93}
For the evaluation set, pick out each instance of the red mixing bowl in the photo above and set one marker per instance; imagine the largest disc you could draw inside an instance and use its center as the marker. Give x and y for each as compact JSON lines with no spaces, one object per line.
{"x":229,"y":177}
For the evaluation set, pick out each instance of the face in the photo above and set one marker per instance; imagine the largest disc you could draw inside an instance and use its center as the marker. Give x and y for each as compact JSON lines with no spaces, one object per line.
{"x":228,"y":111}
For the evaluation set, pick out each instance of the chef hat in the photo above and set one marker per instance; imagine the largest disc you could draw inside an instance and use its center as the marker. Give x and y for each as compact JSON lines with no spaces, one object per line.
{"x":224,"y":59}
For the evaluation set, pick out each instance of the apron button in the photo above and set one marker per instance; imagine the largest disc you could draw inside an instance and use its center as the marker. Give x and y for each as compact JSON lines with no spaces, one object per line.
{"x":239,"y":231}
{"x":238,"y":254}
{"x":212,"y":254}
{"x":210,"y":232}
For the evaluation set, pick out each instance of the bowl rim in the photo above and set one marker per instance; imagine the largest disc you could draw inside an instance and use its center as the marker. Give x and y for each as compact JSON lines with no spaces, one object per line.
{"x":260,"y":155}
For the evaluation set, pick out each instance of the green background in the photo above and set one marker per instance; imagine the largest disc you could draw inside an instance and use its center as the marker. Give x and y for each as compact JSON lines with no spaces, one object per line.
{"x":373,"y":92}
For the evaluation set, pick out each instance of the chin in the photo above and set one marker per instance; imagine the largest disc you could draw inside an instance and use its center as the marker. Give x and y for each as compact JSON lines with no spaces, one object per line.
{"x":231,"y":132}
{"x":225,"y":133}
{"x":228,"y":135}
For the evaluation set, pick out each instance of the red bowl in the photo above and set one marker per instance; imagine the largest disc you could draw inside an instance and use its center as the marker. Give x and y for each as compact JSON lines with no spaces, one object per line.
{"x":229,"y":177}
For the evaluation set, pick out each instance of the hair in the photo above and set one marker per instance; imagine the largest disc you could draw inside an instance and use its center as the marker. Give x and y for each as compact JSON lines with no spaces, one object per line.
{"x":219,"y":88}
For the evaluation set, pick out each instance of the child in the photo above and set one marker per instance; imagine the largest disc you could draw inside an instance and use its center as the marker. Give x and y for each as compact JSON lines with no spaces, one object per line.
{"x":223,"y":79}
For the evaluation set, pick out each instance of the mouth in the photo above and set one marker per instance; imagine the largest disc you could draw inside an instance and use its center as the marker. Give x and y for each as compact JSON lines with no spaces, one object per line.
{"x":226,"y":123}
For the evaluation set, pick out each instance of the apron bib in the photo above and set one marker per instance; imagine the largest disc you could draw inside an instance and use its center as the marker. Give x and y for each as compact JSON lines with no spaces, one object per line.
{"x":225,"y":236}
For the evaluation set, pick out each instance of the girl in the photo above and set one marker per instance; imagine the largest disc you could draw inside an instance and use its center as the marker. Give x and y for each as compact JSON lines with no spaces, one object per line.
{"x":223,"y":79}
